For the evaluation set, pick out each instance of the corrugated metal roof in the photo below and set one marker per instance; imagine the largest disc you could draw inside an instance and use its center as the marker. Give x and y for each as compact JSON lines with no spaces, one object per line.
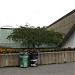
{"x":4,"y":42}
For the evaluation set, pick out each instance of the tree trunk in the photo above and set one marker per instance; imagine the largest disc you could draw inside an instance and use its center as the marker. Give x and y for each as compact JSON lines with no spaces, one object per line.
{"x":33,"y":45}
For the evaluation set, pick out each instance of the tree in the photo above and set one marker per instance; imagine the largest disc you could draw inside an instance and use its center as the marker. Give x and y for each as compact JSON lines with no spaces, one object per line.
{"x":32,"y":37}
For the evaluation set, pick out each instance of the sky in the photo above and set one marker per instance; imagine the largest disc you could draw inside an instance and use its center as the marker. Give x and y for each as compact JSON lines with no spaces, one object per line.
{"x":33,"y":12}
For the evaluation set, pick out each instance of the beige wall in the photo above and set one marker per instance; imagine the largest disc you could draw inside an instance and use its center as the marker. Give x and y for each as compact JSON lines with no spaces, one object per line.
{"x":13,"y":59}
{"x":64,"y":25}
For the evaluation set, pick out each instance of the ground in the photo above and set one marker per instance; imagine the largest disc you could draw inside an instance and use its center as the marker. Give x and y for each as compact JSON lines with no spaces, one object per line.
{"x":53,"y":69}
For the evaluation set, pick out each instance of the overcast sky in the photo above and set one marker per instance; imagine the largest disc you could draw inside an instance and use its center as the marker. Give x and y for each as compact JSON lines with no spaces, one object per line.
{"x":35,"y":12}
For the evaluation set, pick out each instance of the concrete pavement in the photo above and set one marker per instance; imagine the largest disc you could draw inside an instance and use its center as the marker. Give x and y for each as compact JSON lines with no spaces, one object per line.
{"x":53,"y":69}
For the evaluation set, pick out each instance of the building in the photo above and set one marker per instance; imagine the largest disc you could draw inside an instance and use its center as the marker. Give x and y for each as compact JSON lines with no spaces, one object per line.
{"x":4,"y":42}
{"x":69,"y":39}
{"x":65,"y":25}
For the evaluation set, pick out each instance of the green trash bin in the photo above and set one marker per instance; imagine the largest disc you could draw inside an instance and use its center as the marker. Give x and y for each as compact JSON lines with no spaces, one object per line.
{"x":23,"y":59}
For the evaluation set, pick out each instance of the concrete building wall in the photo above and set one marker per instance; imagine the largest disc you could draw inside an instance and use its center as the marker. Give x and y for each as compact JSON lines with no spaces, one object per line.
{"x":70,"y":42}
{"x":64,"y":25}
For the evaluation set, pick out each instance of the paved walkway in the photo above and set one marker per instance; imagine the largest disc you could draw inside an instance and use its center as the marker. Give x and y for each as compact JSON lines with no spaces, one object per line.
{"x":54,"y":69}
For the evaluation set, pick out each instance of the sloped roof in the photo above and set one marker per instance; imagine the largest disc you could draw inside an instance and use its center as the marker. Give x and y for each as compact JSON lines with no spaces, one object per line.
{"x":4,"y":42}
{"x":67,"y":36}
{"x":64,"y":24}
{"x":73,"y":11}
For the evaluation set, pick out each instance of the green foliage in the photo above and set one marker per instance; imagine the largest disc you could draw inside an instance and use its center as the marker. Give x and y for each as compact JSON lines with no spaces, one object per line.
{"x":31,"y":37}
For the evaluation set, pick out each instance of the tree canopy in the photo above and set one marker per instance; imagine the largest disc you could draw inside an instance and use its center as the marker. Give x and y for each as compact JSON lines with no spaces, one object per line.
{"x":31,"y":37}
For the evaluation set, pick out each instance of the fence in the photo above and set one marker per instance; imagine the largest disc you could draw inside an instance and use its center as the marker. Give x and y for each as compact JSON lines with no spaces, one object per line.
{"x":56,"y":57}
{"x":12,"y":59}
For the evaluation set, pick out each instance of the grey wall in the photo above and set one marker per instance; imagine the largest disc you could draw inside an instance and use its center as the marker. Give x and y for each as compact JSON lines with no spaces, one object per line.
{"x":70,"y":42}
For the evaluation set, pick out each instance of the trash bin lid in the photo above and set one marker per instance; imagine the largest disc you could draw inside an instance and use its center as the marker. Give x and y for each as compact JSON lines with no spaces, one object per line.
{"x":23,"y":53}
